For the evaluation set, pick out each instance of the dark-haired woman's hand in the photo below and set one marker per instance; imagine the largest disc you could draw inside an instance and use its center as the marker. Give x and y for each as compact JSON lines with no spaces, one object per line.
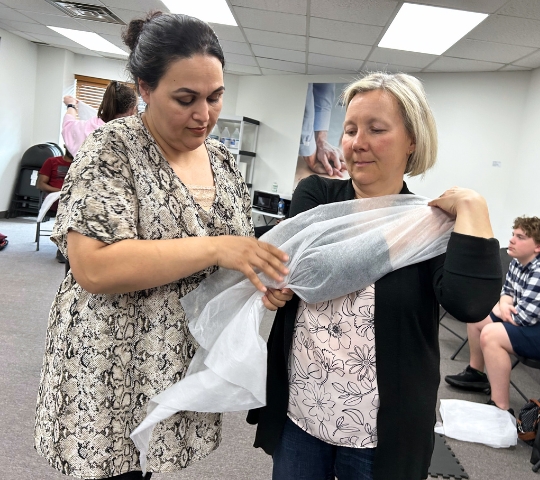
{"x":251,"y":256}
{"x":69,"y":99}
{"x":274,"y":298}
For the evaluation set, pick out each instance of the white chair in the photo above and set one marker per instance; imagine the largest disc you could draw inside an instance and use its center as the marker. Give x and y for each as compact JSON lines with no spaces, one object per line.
{"x":45,"y":205}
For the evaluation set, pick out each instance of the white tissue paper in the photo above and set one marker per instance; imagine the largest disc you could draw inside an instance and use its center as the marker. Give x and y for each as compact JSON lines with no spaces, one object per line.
{"x":334,"y":250}
{"x":478,"y":423}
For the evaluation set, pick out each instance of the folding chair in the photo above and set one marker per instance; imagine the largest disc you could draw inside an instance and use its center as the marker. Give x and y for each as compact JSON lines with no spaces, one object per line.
{"x":44,"y":206}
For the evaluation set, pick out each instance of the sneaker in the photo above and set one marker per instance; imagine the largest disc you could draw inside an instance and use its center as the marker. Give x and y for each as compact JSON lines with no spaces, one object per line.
{"x":510,"y":410}
{"x":59,"y":257}
{"x":469,"y":379}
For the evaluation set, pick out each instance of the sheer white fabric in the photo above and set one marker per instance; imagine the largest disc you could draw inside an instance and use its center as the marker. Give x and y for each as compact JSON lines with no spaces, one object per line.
{"x":334,"y":250}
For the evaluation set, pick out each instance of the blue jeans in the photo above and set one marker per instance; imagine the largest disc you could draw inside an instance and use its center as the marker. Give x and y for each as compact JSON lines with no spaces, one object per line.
{"x":301,"y":456}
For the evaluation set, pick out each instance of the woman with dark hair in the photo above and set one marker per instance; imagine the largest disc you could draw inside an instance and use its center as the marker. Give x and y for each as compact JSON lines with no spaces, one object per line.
{"x":119,"y":101}
{"x":150,"y":208}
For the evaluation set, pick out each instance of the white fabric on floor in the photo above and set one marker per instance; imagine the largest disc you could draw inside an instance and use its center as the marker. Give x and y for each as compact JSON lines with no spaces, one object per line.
{"x":334,"y":250}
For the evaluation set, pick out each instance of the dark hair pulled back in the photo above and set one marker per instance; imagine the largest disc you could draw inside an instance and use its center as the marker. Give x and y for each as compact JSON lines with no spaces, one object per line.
{"x":117,"y":100}
{"x":163,"y":38}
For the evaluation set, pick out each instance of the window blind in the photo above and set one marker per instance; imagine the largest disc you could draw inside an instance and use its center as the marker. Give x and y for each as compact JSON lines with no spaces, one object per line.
{"x":90,"y":89}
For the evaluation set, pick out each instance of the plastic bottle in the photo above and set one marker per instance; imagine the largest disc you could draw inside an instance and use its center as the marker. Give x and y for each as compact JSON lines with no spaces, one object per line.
{"x":274,"y":187}
{"x":235,"y":139}
{"x":215,"y":133}
{"x":225,"y":137}
{"x":281,"y":207}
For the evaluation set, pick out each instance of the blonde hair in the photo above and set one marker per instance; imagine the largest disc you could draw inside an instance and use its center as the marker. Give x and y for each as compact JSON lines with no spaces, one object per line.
{"x":417,"y":116}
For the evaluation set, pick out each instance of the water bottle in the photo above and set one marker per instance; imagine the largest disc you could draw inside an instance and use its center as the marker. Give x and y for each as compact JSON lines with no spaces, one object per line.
{"x":225,"y":137}
{"x":235,"y":139}
{"x":281,"y":207}
{"x":215,"y":133}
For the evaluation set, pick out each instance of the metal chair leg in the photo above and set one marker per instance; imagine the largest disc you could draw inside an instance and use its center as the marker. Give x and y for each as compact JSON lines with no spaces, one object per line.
{"x":453,"y":357}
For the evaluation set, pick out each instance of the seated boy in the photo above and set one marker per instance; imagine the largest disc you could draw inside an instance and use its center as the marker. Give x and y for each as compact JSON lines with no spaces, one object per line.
{"x":513,"y":324}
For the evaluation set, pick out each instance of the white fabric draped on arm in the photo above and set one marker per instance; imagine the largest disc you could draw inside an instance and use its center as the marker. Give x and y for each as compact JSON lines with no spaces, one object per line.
{"x":334,"y":250}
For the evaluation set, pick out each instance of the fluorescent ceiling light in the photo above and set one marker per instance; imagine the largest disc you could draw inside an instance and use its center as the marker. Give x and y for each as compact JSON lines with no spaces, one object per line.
{"x":212,"y":11}
{"x":90,"y":40}
{"x":424,"y":29}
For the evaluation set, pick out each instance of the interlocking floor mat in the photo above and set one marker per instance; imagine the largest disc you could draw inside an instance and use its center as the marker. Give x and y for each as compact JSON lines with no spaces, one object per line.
{"x":444,"y":462}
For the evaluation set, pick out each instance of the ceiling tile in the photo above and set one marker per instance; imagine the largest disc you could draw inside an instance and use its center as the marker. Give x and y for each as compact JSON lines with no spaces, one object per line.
{"x":101,"y":27}
{"x":448,"y":64}
{"x":338,"y":49}
{"x":7,"y":13}
{"x":138,"y":5}
{"x":240,"y":59}
{"x":513,"y":68}
{"x":481,"y":6}
{"x":228,"y":32}
{"x":272,"y":21}
{"x":369,"y":12}
{"x":83,"y":51}
{"x":273,"y":39}
{"x":343,"y":31}
{"x":401,"y":57}
{"x":30,"y":28}
{"x":320,"y":70}
{"x":27,"y":36}
{"x":39,"y":6}
{"x":512,"y":30}
{"x":115,"y":40}
{"x":56,"y":40}
{"x":487,"y":51}
{"x":235,"y":47}
{"x":271,"y":71}
{"x":285,"y":6}
{"x":233,"y":67}
{"x":334,"y":62}
{"x":282,"y":65}
{"x":62,"y":21}
{"x":521,"y":8}
{"x":126,"y":15}
{"x":279,"y":53}
{"x":532,"y":61}
{"x":388,"y":67}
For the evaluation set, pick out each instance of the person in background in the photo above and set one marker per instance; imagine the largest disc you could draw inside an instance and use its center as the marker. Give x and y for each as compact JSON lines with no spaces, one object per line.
{"x":149,"y":209}
{"x":51,"y":178}
{"x":119,"y":101}
{"x":352,"y":382}
{"x":513,"y":326}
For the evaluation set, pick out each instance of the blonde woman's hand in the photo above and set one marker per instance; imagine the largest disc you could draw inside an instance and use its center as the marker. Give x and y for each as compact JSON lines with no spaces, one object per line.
{"x":274,"y":298}
{"x":470,"y":210}
{"x":251,"y":256}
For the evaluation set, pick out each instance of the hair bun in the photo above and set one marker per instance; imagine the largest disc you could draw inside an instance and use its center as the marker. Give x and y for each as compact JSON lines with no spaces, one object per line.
{"x":132,"y":32}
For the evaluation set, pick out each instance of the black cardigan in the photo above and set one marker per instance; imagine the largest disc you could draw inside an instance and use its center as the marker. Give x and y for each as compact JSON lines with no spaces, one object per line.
{"x":466,"y":281}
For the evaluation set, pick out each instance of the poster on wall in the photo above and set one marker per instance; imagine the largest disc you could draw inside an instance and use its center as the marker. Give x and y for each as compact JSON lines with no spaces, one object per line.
{"x":322,"y":128}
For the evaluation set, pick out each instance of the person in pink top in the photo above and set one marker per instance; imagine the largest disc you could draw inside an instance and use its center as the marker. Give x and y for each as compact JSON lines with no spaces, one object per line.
{"x":118,"y":101}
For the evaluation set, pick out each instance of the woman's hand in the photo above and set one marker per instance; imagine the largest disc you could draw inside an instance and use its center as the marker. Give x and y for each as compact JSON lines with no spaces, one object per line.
{"x":274,"y":299}
{"x":251,"y":256}
{"x":470,"y":210}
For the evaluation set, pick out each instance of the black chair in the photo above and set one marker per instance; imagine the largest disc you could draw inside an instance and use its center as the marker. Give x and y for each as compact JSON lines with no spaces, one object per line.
{"x":25,"y":199}
{"x":528,"y":362}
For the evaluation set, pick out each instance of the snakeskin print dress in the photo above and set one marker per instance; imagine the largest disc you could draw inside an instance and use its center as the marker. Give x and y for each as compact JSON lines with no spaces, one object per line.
{"x":106,"y":355}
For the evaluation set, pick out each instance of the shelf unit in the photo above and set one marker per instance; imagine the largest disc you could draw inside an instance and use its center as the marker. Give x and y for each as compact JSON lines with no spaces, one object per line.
{"x":245,"y":153}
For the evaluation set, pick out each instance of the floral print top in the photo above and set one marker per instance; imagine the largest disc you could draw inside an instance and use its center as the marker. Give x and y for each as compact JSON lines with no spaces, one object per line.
{"x":106,"y":355}
{"x":333,"y":391}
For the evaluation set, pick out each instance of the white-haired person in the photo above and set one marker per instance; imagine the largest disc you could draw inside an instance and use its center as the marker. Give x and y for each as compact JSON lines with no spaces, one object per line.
{"x":352,"y":382}
{"x":512,"y":326}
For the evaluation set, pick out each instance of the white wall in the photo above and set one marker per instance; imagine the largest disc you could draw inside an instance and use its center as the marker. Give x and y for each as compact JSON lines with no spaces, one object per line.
{"x":18,"y":58}
{"x":479,"y":117}
{"x":54,"y":69}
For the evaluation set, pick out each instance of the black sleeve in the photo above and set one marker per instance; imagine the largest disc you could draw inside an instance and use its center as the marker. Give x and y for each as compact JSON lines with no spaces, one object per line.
{"x":309,"y":193}
{"x":467,"y":281}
